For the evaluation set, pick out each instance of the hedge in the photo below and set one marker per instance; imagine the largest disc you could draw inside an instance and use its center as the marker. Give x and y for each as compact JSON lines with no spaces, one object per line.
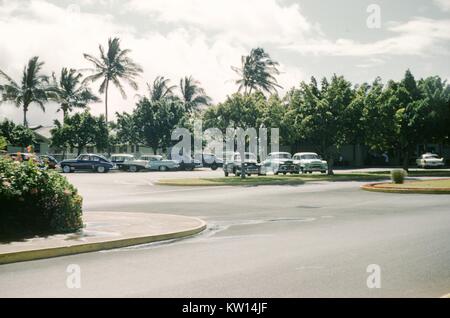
{"x":36,"y":202}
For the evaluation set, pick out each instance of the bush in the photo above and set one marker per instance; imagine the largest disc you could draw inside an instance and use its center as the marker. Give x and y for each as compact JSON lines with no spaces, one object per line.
{"x":398,"y":176}
{"x":36,"y":202}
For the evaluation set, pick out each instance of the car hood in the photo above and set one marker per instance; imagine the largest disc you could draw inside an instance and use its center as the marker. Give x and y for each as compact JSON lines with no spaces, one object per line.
{"x":283,"y":161}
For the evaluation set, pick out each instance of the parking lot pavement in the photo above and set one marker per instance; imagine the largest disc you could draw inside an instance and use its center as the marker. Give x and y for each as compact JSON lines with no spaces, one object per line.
{"x":311,"y":240}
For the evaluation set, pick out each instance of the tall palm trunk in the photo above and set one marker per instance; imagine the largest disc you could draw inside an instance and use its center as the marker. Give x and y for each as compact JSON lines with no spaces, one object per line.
{"x":106,"y":103}
{"x":25,"y":109}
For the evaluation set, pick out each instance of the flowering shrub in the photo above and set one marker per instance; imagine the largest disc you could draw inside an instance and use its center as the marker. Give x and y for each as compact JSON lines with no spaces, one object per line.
{"x":36,"y":202}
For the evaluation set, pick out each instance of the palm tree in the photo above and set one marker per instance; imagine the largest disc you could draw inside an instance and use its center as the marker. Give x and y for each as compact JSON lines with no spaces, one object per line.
{"x":32,"y":89}
{"x":192,"y":94}
{"x":257,"y":72}
{"x":113,"y":67}
{"x":161,"y":89}
{"x":70,"y":93}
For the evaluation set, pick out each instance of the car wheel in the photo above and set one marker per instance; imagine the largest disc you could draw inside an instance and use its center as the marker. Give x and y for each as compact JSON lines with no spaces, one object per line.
{"x":66,"y":169}
{"x":214,"y":167}
{"x":101,"y":169}
{"x":323,"y":171}
{"x":133,"y":169}
{"x":189,"y":168}
{"x":163,"y":168}
{"x":276,"y":173}
{"x":226,"y":174}
{"x":284,"y":173}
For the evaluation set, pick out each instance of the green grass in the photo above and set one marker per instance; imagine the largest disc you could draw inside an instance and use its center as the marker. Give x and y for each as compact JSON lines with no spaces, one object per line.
{"x":425,"y":184}
{"x":270,"y":180}
{"x":419,"y":173}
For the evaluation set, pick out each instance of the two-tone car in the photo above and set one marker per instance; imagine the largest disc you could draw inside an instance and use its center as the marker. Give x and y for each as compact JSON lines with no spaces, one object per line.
{"x":279,"y":162}
{"x":430,"y":160}
{"x":310,"y":162}
{"x":87,"y":162}
{"x":233,"y":164}
{"x":119,"y":160}
{"x":158,"y":163}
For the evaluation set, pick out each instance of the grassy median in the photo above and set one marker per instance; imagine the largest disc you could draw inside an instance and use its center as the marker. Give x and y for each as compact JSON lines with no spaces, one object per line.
{"x":270,"y":180}
{"x":425,"y":184}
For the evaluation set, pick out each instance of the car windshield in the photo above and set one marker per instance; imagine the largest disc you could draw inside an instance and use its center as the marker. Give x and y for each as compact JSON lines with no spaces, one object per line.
{"x":310,"y":156}
{"x":282,"y":155}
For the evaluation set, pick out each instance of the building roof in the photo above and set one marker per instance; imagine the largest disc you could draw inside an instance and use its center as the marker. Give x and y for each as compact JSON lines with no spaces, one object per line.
{"x":43,"y":132}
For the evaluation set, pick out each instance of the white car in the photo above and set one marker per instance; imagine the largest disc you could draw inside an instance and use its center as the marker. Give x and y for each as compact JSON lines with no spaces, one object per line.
{"x":430,"y":160}
{"x":310,"y":162}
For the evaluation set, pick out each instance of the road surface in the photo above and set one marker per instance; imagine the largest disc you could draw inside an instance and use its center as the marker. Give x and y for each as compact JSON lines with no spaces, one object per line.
{"x":312,"y":240}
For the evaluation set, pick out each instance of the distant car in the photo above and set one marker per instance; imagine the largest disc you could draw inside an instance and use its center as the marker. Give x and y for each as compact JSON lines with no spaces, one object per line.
{"x":279,"y":162}
{"x":151,"y":162}
{"x":120,"y":159}
{"x":158,"y":163}
{"x":87,"y":162}
{"x":23,"y":157}
{"x":310,"y":162}
{"x":189,"y":164}
{"x":212,"y":161}
{"x":50,"y":161}
{"x":233,"y":164}
{"x":430,"y":160}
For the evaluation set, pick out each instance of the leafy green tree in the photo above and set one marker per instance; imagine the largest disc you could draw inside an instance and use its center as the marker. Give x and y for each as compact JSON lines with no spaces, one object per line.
{"x":127,"y":130}
{"x":3,"y":143}
{"x":258,"y":72}
{"x":23,"y":137}
{"x":238,"y":110}
{"x":192,"y":94}
{"x":317,"y":114}
{"x":69,"y":91}
{"x":33,"y":88}
{"x":79,"y":131}
{"x":113,"y":67}
{"x":7,"y":129}
{"x":156,"y":120}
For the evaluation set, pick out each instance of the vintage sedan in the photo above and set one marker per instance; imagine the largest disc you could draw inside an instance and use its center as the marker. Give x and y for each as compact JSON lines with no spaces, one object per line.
{"x":233,"y":164}
{"x":430,"y":160}
{"x":310,"y":162}
{"x":150,"y":162}
{"x":120,"y":159}
{"x":212,"y":161}
{"x":87,"y":162}
{"x":279,"y":162}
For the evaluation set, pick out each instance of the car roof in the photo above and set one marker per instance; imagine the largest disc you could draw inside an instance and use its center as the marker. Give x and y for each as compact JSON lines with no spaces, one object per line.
{"x":279,"y":153}
{"x":122,"y":155}
{"x":305,"y":153}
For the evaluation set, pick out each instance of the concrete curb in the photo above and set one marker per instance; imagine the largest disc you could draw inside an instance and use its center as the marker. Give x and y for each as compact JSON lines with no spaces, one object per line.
{"x":375,"y":187}
{"x":14,"y":257}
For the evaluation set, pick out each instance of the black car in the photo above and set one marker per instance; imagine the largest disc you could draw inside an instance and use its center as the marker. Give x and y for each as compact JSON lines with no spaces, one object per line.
{"x":233,"y":164}
{"x":87,"y":162}
{"x":212,"y":161}
{"x":189,"y":164}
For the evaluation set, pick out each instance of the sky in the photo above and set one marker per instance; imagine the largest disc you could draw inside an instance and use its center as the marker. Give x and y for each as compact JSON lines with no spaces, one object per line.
{"x":359,"y":39}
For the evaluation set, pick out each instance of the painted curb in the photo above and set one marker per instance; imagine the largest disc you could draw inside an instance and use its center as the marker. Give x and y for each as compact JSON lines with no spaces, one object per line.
{"x":31,"y":255}
{"x":375,"y":187}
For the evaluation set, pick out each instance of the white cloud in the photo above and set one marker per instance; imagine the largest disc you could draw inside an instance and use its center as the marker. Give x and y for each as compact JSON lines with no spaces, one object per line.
{"x":444,"y":5}
{"x":419,"y":36}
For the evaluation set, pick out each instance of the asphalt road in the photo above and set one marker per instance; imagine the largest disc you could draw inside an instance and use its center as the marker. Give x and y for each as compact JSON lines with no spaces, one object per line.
{"x":312,"y":240}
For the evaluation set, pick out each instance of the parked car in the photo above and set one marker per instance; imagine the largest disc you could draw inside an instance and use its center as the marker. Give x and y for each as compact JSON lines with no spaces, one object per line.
{"x":134,"y":165}
{"x":50,"y":161}
{"x":87,"y":162}
{"x":212,"y":161}
{"x":189,"y":164}
{"x":310,"y":162}
{"x":233,"y":164}
{"x":120,"y":159}
{"x":279,"y":162}
{"x":23,"y":157}
{"x":430,"y":160}
{"x":158,"y":163}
